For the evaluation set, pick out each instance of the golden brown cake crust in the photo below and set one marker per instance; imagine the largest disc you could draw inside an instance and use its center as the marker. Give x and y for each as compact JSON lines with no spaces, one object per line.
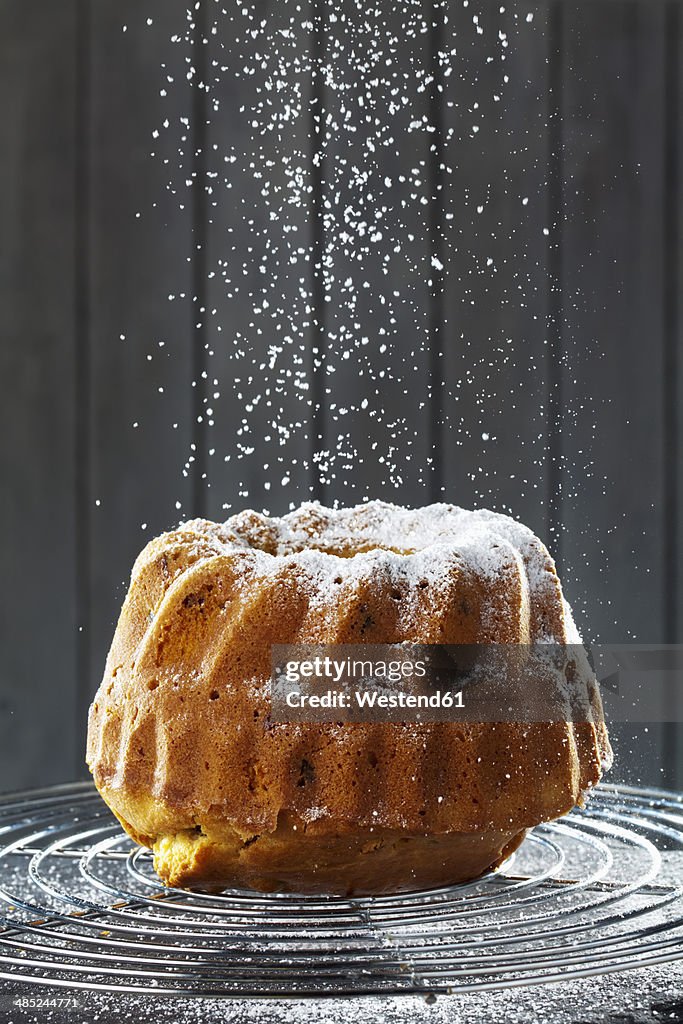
{"x":180,"y":743}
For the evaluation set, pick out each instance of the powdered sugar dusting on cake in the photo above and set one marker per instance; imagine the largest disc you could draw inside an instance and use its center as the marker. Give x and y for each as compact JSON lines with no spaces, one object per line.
{"x":384,"y":526}
{"x":411,"y":547}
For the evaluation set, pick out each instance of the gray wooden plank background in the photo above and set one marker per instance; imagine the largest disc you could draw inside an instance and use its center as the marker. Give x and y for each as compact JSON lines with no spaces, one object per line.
{"x":163,"y":355}
{"x":376,"y":247}
{"x":498,"y":357}
{"x":137,"y":395}
{"x":611,"y":314}
{"x":40,"y":418}
{"x":255,"y":280}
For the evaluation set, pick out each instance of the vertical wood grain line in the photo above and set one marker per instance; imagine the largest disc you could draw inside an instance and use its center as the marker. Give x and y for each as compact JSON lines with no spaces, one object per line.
{"x":199,"y":267}
{"x":436,"y":234}
{"x":556,"y":269}
{"x":81,"y":256}
{"x":317,"y":166}
{"x":672,"y":242}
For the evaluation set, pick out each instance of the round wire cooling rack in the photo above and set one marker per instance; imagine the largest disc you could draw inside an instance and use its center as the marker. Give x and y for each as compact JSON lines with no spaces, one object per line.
{"x":80,"y":907}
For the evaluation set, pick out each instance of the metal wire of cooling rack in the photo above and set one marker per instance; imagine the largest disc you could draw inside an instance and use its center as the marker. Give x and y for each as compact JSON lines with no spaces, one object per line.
{"x":81,"y":908}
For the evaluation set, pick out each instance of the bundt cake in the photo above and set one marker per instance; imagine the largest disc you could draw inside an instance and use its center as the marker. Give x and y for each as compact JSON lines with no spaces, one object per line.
{"x":184,"y":751}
